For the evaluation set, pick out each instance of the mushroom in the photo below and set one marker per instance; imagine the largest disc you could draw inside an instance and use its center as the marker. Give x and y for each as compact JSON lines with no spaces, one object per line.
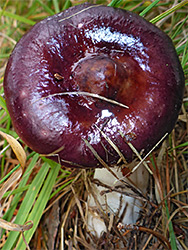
{"x":83,"y":85}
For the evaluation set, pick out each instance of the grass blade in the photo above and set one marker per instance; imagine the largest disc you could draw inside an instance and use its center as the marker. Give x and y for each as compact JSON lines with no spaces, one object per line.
{"x":46,"y":8}
{"x":168,"y":12}
{"x":56,"y":6}
{"x":67,"y":4}
{"x":149,"y":8}
{"x":22,"y":184}
{"x":171,"y":230}
{"x":185,"y":56}
{"x":17,"y":17}
{"x":115,"y":3}
{"x":40,"y":204}
{"x":27,"y":204}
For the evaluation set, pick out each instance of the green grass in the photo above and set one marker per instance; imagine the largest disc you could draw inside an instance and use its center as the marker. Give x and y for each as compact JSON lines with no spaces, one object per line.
{"x":38,"y":185}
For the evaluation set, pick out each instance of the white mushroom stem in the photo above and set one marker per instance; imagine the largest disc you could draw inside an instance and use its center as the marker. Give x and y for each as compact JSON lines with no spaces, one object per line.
{"x":114,"y":203}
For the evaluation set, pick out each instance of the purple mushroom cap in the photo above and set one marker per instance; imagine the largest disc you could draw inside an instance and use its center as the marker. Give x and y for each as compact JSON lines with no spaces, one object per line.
{"x":69,"y":79}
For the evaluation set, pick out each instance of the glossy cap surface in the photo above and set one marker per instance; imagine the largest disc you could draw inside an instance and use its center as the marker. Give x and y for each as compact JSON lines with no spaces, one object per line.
{"x":111,"y":53}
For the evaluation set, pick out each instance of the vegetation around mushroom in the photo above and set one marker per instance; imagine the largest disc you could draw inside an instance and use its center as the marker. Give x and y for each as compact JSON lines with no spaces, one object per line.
{"x":41,"y":196}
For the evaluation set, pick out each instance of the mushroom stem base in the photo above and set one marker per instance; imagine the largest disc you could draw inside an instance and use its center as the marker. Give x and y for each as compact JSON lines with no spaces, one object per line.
{"x":107,"y":206}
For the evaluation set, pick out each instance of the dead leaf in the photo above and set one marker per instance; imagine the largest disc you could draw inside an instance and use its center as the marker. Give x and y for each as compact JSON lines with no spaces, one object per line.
{"x":10,"y":182}
{"x":15,"y":227}
{"x":16,"y":147}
